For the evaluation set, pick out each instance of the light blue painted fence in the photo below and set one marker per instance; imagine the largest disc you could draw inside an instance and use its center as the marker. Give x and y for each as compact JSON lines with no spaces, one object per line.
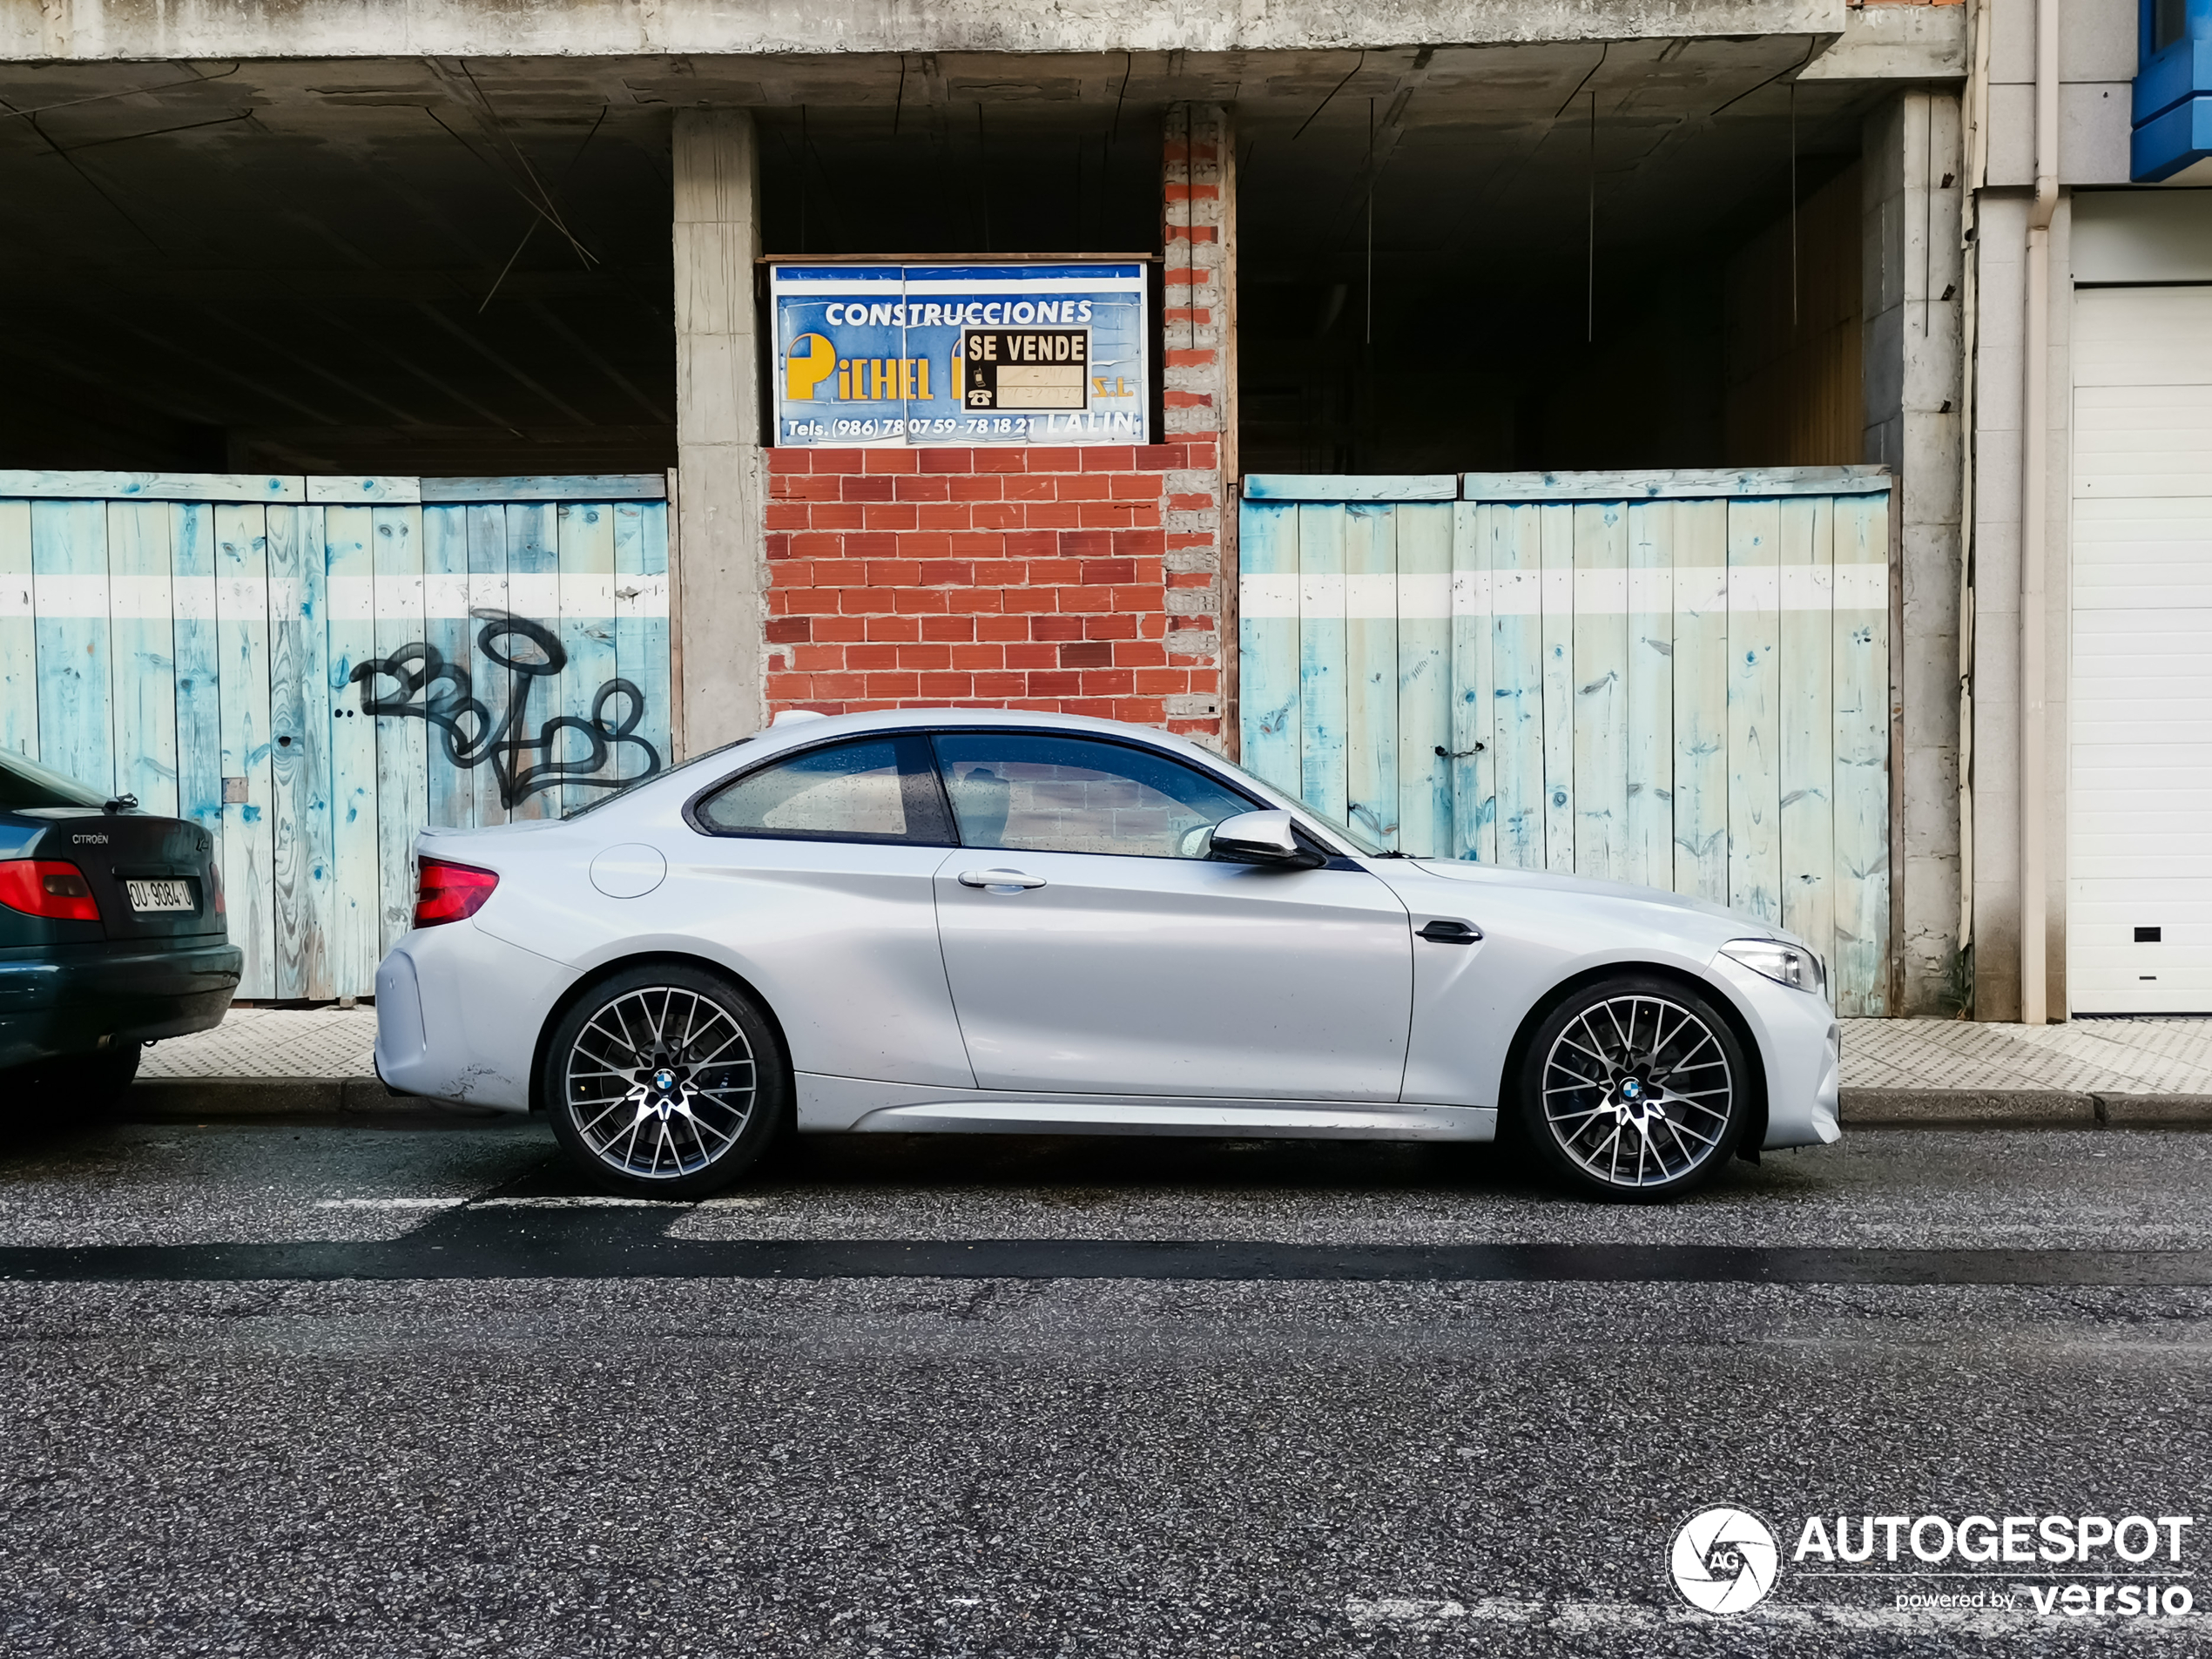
{"x":314,"y":669}
{"x":1679,"y":679}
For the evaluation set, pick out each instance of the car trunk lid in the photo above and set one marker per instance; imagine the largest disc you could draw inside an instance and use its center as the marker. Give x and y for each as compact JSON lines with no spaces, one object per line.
{"x":154,"y":877}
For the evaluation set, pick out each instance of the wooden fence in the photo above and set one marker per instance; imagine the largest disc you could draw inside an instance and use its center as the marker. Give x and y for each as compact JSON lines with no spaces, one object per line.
{"x":1679,"y":679}
{"x":313,"y":669}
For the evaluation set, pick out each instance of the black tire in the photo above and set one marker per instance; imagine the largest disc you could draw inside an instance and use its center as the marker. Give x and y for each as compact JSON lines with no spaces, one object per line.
{"x":84,"y":1087}
{"x":99,"y":1083}
{"x":1634,"y":1088}
{"x":664,"y":1082}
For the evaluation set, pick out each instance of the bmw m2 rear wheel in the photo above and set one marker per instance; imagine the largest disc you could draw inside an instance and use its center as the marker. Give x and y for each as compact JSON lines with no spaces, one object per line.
{"x":665,"y":1083}
{"x":1635,"y":1087}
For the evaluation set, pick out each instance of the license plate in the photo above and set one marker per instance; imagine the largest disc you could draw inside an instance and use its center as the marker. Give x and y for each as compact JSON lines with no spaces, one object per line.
{"x":159,"y":896}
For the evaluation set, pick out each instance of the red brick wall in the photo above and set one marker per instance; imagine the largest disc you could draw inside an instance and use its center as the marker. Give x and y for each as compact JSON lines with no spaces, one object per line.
{"x":1077,"y":581}
{"x":994,"y":577}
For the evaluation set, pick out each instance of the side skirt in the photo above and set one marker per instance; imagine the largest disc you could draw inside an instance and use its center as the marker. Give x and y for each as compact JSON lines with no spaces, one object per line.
{"x":857,"y":1105}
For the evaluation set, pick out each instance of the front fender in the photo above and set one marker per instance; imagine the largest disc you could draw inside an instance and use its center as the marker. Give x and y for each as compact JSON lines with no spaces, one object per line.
{"x":1467,"y":1014}
{"x":1470,"y":1002}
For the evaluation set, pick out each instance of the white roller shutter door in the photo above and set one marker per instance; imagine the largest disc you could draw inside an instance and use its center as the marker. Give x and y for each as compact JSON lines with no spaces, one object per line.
{"x":2138,"y":909}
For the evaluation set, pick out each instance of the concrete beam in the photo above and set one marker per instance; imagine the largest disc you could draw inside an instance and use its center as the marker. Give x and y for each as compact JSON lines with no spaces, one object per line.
{"x":720,"y":557}
{"x":1896,"y":43}
{"x":384,"y":105}
{"x":154,"y":29}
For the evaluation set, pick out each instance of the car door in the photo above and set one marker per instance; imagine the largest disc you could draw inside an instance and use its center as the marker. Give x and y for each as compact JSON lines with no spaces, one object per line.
{"x":812,"y":873}
{"x":1093,"y":947}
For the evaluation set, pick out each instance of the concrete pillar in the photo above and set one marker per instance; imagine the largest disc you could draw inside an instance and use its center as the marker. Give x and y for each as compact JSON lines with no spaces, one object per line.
{"x":1999,"y":250}
{"x":1199,"y":370}
{"x":720,"y":568}
{"x":1912,"y":286}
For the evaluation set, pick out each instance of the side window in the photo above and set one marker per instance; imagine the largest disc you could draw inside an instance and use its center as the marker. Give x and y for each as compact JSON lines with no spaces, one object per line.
{"x":874,"y":789}
{"x":1052,"y":794}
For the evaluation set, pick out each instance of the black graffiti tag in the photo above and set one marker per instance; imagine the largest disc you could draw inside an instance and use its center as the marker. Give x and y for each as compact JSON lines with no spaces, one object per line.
{"x":433,"y":690}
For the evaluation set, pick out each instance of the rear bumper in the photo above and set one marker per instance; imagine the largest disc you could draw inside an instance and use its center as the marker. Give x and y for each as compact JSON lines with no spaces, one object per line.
{"x":458,"y":1014}
{"x":64,"y":1001}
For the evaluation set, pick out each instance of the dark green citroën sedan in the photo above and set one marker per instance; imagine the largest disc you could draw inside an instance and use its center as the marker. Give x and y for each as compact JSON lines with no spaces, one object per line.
{"x":112,"y":934}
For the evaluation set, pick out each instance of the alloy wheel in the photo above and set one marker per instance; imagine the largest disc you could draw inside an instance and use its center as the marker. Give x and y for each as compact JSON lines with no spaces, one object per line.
{"x":1638,"y":1090}
{"x":660,"y":1082}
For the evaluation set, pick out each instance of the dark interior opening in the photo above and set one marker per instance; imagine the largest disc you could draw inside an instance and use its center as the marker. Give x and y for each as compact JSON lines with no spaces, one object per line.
{"x":964,"y":178}
{"x":401,"y":267}
{"x":357,"y":268}
{"x":1485,"y":289}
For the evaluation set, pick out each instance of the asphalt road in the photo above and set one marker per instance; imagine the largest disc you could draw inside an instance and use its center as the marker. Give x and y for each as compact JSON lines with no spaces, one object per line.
{"x":1008,"y":1459}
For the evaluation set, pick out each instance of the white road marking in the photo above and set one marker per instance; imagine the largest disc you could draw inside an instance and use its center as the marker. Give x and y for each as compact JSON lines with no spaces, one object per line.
{"x":1401,"y":1613}
{"x":390,"y":1203}
{"x":579,"y":1202}
{"x":1412,"y":1614}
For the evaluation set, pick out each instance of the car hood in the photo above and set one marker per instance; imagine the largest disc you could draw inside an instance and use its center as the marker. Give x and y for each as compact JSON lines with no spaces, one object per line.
{"x":1546,"y":880}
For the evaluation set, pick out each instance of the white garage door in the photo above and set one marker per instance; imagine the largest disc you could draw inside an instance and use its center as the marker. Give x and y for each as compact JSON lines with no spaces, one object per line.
{"x":2139,"y":913}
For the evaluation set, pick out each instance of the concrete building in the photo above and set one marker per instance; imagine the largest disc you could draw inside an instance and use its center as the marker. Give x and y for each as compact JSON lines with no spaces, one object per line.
{"x":461,"y":240}
{"x":2092,"y":508}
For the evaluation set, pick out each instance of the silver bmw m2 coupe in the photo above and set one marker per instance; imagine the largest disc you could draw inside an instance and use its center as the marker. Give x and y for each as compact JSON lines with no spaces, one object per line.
{"x":948,"y":921}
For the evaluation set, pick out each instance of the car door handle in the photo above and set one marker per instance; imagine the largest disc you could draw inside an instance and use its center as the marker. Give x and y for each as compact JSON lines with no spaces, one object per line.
{"x":1000,"y":881}
{"x":1451,"y":933}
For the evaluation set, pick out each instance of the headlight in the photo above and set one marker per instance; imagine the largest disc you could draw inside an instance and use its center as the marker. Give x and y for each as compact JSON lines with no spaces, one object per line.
{"x":1785,"y":964}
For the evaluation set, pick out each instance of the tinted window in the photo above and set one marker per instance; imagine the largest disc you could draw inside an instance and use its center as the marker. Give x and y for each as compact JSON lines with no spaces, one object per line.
{"x":25,"y":783}
{"x":1053,"y":795}
{"x":877,"y":789}
{"x":2169,"y":22}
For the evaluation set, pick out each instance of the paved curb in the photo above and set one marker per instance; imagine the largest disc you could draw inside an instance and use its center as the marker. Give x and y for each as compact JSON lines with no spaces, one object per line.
{"x":1981,"y":1108}
{"x":175,"y":1097}
{"x":2129,"y":1111}
{"x":2021,"y":1108}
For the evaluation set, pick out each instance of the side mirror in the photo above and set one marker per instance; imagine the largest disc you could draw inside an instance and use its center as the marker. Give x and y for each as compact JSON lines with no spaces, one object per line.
{"x":1263,"y":837}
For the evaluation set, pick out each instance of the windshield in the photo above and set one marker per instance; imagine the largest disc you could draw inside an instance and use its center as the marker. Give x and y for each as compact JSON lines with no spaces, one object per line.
{"x":1359,"y":838}
{"x":24,"y":783}
{"x":620,"y":790}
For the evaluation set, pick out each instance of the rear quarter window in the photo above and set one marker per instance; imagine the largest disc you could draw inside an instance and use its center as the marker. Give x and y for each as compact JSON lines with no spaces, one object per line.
{"x":870,"y":789}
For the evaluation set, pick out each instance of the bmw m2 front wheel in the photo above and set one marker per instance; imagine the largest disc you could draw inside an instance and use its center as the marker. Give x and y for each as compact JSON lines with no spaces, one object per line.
{"x":664,"y":1082}
{"x":1635,"y":1088}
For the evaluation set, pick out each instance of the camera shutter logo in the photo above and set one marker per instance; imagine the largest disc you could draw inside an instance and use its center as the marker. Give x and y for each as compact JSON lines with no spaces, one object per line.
{"x":1724,"y":1560}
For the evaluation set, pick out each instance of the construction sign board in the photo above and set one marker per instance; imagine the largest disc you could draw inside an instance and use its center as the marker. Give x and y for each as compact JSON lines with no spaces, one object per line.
{"x":920,"y":354}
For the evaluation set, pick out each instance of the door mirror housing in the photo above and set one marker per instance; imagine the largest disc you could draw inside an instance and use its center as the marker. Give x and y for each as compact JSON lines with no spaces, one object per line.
{"x":1263,"y":837}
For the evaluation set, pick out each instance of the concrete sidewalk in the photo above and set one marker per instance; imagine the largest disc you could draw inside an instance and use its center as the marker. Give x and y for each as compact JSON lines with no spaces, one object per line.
{"x":1895,"y":1071}
{"x":2117,"y":1071}
{"x":270,"y":1061}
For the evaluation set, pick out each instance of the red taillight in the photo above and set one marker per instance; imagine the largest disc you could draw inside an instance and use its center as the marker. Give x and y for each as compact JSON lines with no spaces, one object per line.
{"x":449,"y":892}
{"x":215,"y":887}
{"x":47,"y":888}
